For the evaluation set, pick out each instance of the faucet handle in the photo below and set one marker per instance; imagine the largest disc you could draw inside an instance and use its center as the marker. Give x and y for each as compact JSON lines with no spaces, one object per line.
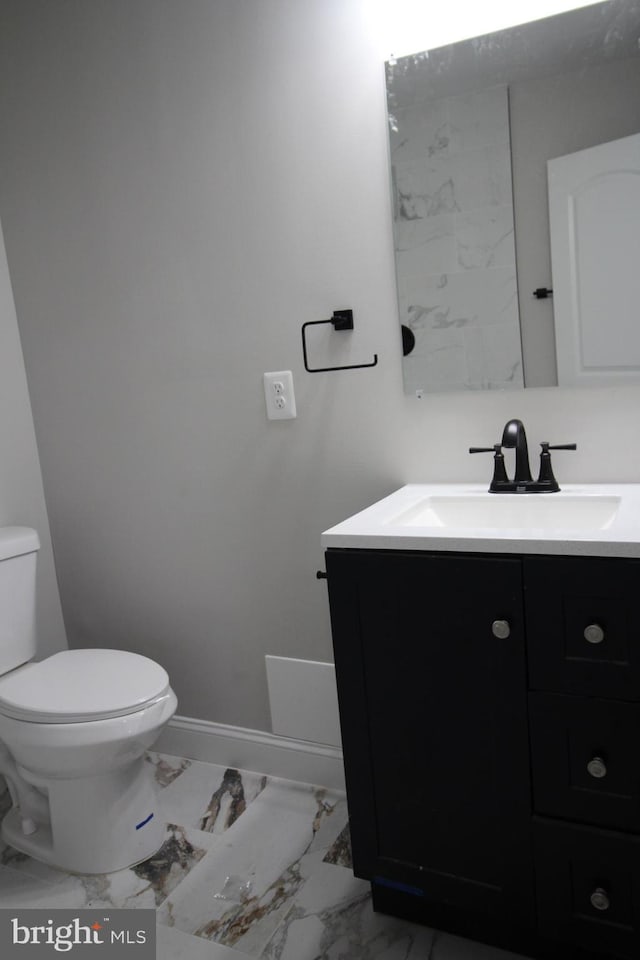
{"x":499,"y":471}
{"x":546,"y":476}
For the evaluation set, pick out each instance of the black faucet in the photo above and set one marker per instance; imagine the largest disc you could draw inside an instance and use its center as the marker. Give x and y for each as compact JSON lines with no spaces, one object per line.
{"x":514,"y":437}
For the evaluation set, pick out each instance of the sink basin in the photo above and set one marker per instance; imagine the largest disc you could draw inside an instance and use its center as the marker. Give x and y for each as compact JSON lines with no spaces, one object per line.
{"x":512,"y":511}
{"x":582,"y":519}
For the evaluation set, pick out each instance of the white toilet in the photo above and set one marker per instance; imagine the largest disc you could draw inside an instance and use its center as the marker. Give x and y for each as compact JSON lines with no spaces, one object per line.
{"x":73,"y":732}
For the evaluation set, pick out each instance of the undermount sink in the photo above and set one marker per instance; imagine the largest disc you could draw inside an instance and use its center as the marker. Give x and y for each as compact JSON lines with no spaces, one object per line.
{"x":537,"y":511}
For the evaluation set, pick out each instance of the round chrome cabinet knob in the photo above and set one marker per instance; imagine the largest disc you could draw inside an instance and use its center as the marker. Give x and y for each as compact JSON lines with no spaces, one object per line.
{"x":600,"y":899}
{"x":501,"y":629}
{"x":594,"y":633}
{"x":597,"y":768}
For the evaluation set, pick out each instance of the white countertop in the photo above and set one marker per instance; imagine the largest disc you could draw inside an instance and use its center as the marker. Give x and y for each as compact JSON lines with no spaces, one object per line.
{"x":404,"y":521}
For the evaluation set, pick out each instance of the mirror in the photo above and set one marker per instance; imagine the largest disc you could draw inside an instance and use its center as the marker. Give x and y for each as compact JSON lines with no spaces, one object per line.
{"x":472,"y":127}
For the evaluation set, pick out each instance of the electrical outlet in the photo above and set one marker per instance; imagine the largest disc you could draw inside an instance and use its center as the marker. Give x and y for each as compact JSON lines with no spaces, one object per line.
{"x":279,"y":396}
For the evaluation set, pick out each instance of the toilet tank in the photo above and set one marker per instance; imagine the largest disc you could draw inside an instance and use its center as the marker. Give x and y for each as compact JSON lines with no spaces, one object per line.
{"x":18,"y":551}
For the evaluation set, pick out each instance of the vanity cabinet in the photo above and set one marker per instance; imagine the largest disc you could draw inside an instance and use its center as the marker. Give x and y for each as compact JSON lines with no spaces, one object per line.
{"x":490,"y":714}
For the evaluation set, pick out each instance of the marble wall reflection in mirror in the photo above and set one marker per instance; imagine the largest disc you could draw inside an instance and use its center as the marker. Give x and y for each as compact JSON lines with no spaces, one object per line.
{"x":472,"y":127}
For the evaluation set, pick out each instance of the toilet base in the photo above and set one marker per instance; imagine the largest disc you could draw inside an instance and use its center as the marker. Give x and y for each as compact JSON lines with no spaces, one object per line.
{"x":97,"y":824}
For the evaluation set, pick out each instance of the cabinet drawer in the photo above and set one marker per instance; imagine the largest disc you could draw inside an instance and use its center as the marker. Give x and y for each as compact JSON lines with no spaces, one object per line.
{"x":585,"y":757}
{"x":583,"y":625}
{"x":588,"y":888}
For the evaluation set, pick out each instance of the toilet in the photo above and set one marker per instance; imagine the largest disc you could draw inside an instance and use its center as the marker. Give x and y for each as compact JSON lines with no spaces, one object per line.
{"x":74,"y":729}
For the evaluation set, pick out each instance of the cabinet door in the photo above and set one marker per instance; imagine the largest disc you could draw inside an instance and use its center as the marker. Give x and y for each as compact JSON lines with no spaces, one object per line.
{"x":583,"y":624}
{"x":433,"y":713}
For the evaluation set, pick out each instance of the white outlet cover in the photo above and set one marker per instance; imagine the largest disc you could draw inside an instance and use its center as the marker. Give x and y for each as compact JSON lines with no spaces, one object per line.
{"x":279,"y":397}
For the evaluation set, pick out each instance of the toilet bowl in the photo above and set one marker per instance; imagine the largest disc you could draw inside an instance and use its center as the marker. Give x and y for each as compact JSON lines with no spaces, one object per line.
{"x":74,"y":729}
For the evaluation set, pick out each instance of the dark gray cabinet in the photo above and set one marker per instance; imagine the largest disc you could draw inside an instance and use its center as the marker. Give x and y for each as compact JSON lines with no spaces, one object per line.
{"x":490,"y":713}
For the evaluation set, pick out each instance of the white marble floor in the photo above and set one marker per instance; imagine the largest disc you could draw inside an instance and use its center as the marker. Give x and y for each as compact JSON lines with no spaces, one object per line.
{"x":252,"y":866}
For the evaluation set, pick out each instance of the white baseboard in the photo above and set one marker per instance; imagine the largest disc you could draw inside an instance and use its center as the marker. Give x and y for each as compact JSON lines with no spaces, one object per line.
{"x":253,"y":750}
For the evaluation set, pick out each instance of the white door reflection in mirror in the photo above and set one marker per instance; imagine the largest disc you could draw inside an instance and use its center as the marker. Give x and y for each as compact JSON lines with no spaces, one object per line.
{"x":594,"y":212}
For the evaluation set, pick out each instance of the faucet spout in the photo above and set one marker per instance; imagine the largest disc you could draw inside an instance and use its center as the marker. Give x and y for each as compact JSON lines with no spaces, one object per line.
{"x":514,"y":437}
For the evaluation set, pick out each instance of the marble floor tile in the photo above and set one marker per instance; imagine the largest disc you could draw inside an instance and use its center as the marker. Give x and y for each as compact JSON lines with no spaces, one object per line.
{"x":24,"y":890}
{"x":166,"y":768}
{"x":210,"y":797}
{"x":332,"y":918}
{"x":340,"y":850}
{"x":173,"y":945}
{"x":150,"y":882}
{"x":242,"y":890}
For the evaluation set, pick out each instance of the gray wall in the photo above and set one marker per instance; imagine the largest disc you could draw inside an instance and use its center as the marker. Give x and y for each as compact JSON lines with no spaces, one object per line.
{"x":21,"y":494}
{"x":182,"y":185}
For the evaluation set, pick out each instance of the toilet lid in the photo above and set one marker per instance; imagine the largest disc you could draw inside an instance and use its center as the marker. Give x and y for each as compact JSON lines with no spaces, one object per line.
{"x":81,"y":685}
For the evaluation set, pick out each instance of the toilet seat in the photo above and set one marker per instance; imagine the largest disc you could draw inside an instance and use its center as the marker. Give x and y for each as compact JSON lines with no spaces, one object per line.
{"x":76,"y":686}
